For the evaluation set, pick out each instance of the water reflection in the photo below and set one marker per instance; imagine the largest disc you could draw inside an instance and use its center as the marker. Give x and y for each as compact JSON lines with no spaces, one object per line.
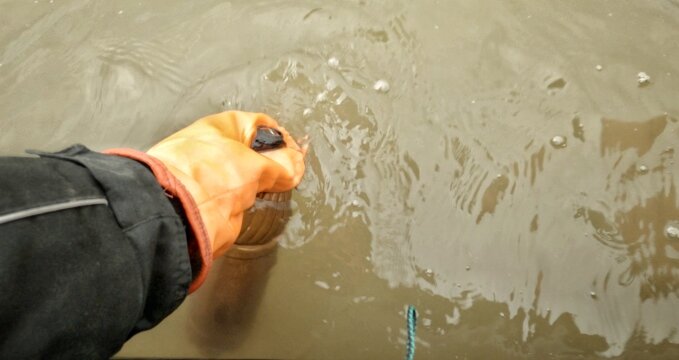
{"x":222,"y":313}
{"x":645,"y":206}
{"x":545,"y":269}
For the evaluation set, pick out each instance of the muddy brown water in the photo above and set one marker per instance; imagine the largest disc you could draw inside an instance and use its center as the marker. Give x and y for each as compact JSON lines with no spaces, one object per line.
{"x":494,"y":163}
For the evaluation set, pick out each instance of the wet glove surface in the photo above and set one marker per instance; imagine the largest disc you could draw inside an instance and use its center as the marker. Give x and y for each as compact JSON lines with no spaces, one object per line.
{"x":214,"y":160}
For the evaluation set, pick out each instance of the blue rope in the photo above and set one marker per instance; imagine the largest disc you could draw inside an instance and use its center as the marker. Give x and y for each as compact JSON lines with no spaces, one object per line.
{"x":411,"y":317}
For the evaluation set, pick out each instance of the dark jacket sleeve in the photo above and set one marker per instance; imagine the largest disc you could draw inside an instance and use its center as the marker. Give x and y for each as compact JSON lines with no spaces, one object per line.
{"x":92,"y":251}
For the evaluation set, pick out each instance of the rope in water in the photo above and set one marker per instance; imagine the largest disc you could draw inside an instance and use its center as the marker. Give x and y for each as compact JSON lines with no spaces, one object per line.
{"x":411,"y":317}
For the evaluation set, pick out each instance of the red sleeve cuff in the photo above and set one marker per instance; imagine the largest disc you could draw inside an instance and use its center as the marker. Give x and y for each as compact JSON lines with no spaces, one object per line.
{"x":199,"y":244}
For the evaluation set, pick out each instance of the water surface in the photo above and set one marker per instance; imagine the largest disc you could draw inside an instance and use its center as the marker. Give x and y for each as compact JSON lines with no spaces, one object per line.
{"x":494,"y":163}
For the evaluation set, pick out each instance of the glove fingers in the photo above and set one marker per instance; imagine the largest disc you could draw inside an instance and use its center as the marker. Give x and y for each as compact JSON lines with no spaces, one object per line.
{"x":284,"y":171}
{"x":236,"y":125}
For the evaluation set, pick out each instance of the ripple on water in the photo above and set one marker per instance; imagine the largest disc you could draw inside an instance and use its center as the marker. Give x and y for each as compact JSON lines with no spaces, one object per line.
{"x":374,"y":158}
{"x":578,"y":129}
{"x":557,"y":84}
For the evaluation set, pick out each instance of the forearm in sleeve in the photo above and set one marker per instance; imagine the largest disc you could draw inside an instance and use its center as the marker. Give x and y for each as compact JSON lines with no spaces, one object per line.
{"x":92,"y":251}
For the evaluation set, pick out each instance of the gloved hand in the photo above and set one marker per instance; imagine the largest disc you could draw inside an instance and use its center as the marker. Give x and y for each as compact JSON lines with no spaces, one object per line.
{"x":210,"y":171}
{"x":213,"y":160}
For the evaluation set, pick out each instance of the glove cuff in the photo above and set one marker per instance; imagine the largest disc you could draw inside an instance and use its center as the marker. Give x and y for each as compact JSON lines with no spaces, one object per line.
{"x":200,"y":249}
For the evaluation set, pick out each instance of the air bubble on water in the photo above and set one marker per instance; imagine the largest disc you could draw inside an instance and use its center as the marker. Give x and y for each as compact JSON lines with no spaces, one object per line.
{"x":322,"y":284}
{"x":599,"y":68}
{"x":467,"y":267}
{"x":502,"y":314}
{"x":643,"y":78}
{"x":453,"y":319}
{"x":120,"y":12}
{"x":672,"y":231}
{"x":330,"y":85}
{"x":321,"y":97}
{"x":307,"y":112}
{"x":558,"y":141}
{"x":429,"y":272}
{"x":592,"y":294}
{"x":642,"y":169}
{"x":381,"y":86}
{"x":363,"y":299}
{"x":341,"y":98}
{"x":355,"y":202}
{"x":333,"y":62}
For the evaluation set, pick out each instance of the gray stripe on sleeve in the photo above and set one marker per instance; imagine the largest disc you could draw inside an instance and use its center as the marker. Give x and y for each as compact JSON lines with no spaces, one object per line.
{"x":40,"y":210}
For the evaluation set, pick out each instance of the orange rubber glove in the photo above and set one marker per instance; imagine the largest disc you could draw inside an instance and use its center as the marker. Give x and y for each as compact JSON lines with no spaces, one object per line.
{"x":212,"y":161}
